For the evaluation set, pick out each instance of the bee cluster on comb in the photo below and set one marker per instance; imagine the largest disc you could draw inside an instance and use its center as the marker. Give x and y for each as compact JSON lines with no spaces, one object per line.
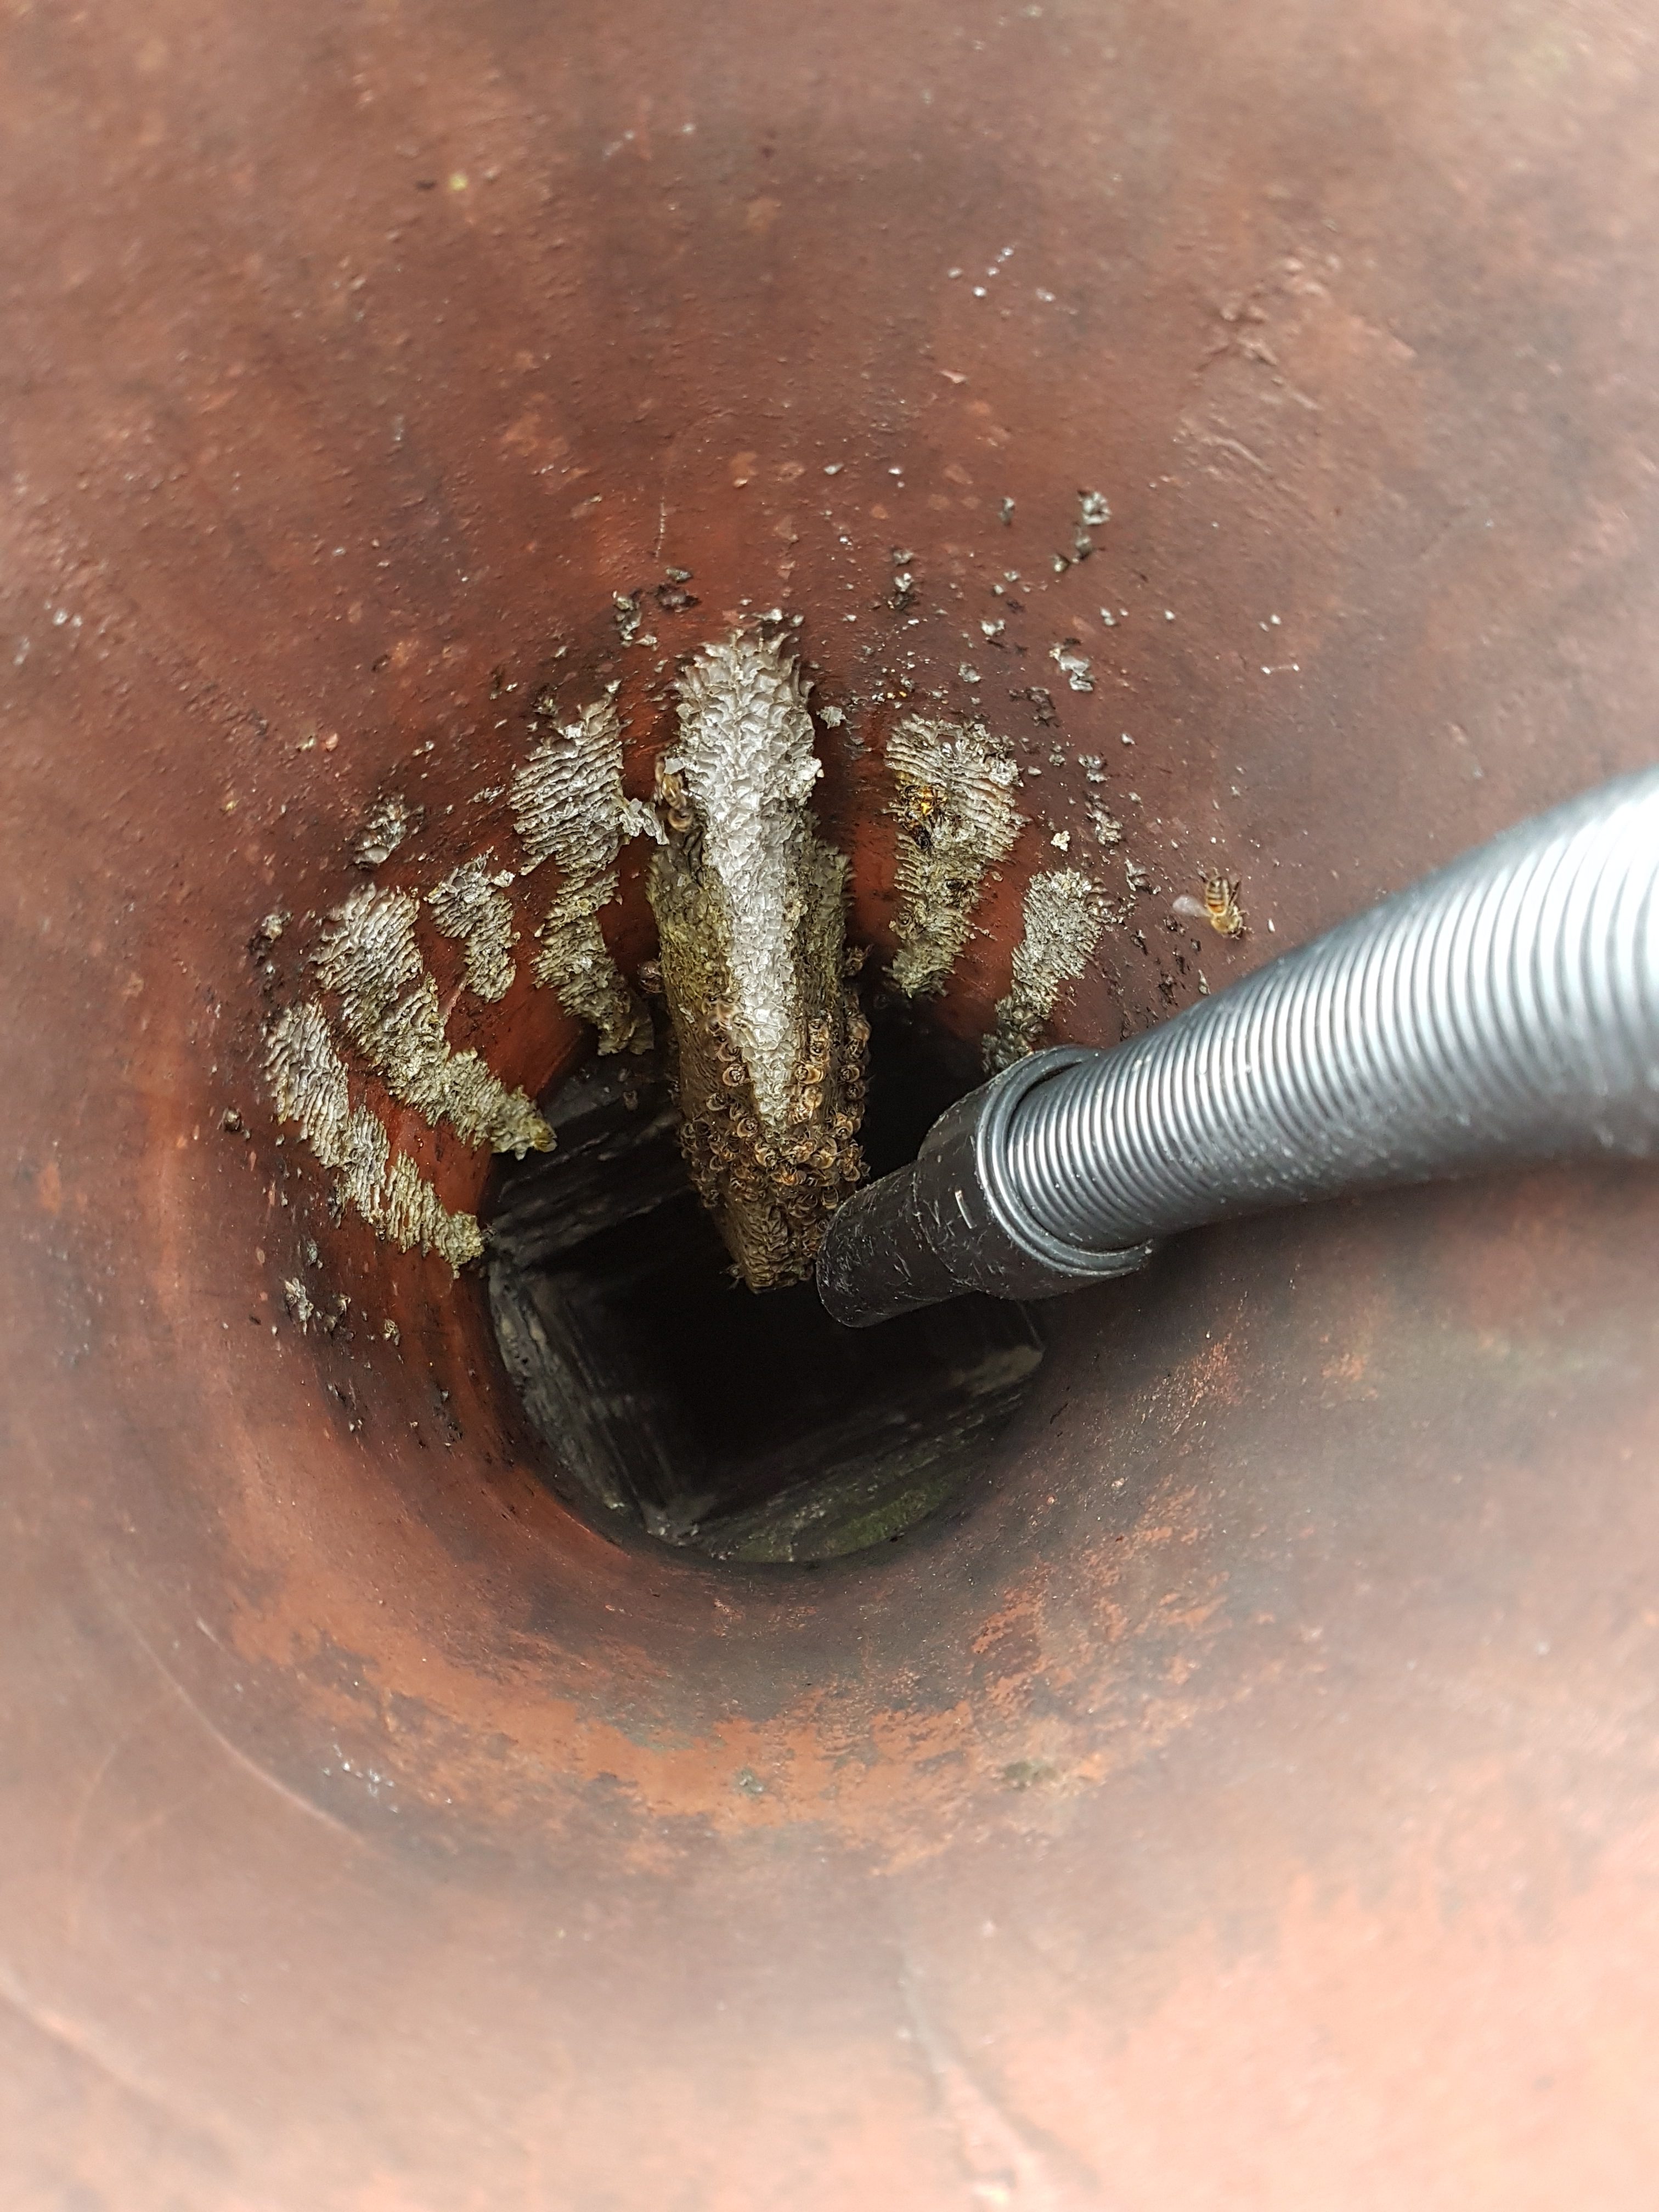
{"x":769,"y":1041}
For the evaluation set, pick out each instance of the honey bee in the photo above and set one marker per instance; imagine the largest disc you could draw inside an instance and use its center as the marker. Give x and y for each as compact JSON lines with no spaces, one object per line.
{"x":671,"y":795}
{"x":1221,"y":906}
{"x":921,"y":805}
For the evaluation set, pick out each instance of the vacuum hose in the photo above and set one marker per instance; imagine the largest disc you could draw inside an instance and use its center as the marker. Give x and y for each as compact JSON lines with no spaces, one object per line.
{"x":1503,"y":1011}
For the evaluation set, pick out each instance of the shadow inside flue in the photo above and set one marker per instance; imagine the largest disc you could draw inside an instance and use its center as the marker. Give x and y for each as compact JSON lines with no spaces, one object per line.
{"x":674,"y":1400}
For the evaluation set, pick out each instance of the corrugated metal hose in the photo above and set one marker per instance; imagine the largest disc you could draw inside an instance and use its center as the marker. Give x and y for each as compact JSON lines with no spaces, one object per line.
{"x":1503,"y":1011}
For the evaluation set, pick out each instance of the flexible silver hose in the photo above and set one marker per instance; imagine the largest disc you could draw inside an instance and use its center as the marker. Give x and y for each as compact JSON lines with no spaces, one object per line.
{"x":1505,"y":1010}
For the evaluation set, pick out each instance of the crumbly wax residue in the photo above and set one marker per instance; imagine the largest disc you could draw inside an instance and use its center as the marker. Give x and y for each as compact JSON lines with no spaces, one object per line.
{"x":954,"y":787}
{"x":1065,"y":913}
{"x":309,"y":1084}
{"x":751,"y":907}
{"x":390,"y":1008}
{"x":471,"y":905}
{"x":391,"y":820}
{"x":568,"y":806}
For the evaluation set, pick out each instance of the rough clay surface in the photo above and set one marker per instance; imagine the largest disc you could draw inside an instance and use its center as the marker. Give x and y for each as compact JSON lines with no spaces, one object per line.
{"x":389,"y":1004}
{"x":1065,"y":913}
{"x":954,"y":787}
{"x":751,"y":908}
{"x":471,"y":905}
{"x":1277,"y":1832}
{"x":568,"y":806}
{"x":309,"y":1084}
